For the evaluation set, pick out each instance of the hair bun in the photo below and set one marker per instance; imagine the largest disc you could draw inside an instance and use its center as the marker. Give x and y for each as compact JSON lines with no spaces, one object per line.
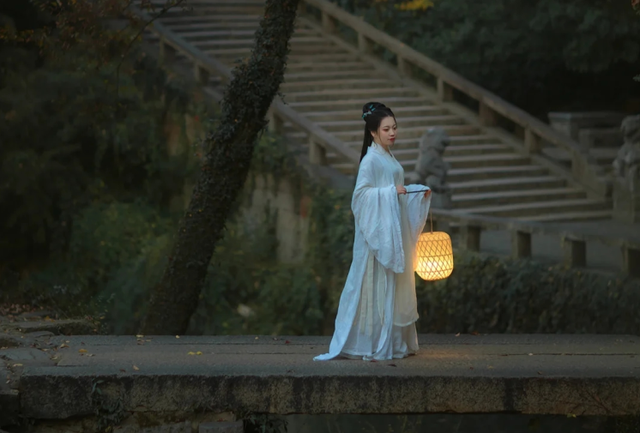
{"x":370,"y":107}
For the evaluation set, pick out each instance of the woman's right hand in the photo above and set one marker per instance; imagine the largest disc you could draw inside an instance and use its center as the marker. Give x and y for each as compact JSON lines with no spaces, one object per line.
{"x":401,"y":189}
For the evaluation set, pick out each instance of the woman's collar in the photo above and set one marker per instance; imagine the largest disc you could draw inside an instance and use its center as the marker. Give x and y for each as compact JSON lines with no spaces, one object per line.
{"x":375,"y":146}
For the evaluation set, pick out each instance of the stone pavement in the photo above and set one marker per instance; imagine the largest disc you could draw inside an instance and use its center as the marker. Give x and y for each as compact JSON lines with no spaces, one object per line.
{"x":533,"y":374}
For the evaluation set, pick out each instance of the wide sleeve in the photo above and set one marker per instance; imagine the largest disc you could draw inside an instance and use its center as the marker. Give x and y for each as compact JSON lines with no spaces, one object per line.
{"x":377,"y":215}
{"x":418,"y":210}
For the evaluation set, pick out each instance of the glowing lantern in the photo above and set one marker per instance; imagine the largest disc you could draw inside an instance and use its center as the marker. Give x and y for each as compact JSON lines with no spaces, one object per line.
{"x":434,"y":256}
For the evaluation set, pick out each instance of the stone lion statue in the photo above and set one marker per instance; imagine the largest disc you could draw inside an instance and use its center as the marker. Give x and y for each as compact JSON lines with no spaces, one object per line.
{"x":431,"y":168}
{"x":626,"y":166}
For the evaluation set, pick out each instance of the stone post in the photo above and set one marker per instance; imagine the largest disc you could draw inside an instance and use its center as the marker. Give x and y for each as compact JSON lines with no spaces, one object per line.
{"x":364,"y":44}
{"x":520,"y":244}
{"x":532,"y":142}
{"x":631,"y":261}
{"x":167,"y":53}
{"x":276,"y":125}
{"x":404,"y":67}
{"x":201,"y":75}
{"x":317,"y":153}
{"x":329,"y":23}
{"x":488,"y":117}
{"x":575,"y":252}
{"x":445,"y":91}
{"x":470,"y":237}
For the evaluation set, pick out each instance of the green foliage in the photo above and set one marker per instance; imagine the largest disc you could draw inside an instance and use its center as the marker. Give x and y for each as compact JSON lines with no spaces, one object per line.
{"x":542,"y":57}
{"x":108,"y":265}
{"x":494,"y":295}
{"x":71,"y":136}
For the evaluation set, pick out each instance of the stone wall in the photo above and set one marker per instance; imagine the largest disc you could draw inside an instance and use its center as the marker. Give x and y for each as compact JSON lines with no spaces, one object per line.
{"x":291,"y":212}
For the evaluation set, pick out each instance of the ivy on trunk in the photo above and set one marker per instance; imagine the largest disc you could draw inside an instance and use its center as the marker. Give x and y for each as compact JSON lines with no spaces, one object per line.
{"x":230,"y":148}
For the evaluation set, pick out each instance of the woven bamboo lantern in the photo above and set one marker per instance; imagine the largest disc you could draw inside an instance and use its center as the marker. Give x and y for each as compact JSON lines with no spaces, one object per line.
{"x":434,"y":255}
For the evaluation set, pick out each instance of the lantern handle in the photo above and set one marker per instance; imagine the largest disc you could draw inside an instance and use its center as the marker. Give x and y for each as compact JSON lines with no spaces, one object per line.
{"x":430,"y":212}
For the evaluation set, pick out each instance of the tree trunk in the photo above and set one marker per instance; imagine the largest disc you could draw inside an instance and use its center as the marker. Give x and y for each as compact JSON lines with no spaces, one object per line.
{"x":247,"y":98}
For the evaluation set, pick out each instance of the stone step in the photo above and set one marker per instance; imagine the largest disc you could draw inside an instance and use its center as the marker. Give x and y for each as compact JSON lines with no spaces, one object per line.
{"x":477,"y":158}
{"x":214,"y":10}
{"x":540,"y":207}
{"x":324,"y":49}
{"x":221,"y":18}
{"x":313,"y":86}
{"x":352,"y":104}
{"x":407,"y":122}
{"x":329,"y":115}
{"x":205,"y":25}
{"x":475,"y":149}
{"x":606,"y":214}
{"x":228,"y":54}
{"x":497,"y":198}
{"x":472,"y":139}
{"x":347,"y":74}
{"x":218,"y":44}
{"x":207,"y":35}
{"x":329,"y":86}
{"x":349,"y":94}
{"x":344,"y":65}
{"x":490,"y":160}
{"x":248,"y":41}
{"x":408,"y":158}
{"x":465,"y":145}
{"x":457,"y":162}
{"x":471,"y":143}
{"x":504,"y":184}
{"x":411,"y":132}
{"x":335,"y":58}
{"x":486,"y":173}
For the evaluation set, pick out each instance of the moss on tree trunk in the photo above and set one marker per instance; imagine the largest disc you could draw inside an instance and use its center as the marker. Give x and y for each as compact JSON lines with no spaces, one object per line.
{"x":247,"y":98}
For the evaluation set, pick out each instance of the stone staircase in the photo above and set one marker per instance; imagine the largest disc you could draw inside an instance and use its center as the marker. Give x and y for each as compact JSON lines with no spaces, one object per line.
{"x":328,"y":82}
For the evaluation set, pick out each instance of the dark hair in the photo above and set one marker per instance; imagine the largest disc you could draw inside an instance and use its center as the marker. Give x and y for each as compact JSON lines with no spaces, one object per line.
{"x":373,"y":113}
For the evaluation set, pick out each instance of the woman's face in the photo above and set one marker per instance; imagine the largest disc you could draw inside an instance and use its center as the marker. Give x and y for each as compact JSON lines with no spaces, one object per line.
{"x":386,"y":134}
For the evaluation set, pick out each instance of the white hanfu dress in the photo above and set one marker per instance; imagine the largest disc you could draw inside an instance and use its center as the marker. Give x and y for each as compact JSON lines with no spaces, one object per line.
{"x":378,"y":307}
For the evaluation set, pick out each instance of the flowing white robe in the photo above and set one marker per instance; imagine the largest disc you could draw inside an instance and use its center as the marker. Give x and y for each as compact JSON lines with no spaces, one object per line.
{"x":378,"y":307}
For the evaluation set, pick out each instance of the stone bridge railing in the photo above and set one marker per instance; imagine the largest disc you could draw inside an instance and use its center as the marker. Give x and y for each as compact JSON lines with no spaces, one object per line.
{"x":574,"y":242}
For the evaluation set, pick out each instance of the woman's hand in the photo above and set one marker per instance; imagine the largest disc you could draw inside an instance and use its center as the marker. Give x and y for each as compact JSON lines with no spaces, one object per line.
{"x":401,"y":189}
{"x":427,"y":194}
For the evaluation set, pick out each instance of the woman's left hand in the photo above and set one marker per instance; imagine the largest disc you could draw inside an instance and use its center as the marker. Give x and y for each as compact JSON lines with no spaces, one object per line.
{"x":427,"y":194}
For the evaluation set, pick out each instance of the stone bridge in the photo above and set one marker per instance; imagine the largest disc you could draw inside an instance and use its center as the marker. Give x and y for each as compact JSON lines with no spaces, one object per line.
{"x":68,"y":382}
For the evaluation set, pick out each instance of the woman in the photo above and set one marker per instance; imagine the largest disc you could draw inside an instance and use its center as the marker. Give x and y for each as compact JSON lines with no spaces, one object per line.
{"x":378,"y":307}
